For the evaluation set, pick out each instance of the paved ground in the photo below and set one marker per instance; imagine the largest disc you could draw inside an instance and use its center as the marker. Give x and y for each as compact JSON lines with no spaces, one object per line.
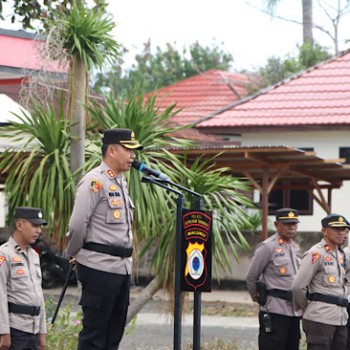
{"x":153,"y":328}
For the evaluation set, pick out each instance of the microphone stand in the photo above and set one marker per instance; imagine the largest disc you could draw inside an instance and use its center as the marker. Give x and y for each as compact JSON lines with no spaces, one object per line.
{"x":177,"y":290}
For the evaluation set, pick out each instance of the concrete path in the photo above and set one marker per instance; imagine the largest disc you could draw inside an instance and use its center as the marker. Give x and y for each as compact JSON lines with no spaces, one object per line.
{"x":153,"y":328}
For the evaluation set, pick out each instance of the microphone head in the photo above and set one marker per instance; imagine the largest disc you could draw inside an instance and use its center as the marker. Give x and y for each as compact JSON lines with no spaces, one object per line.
{"x":136,"y":164}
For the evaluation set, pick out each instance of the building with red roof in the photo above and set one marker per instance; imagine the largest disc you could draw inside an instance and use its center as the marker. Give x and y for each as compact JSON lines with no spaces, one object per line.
{"x":309,"y":111}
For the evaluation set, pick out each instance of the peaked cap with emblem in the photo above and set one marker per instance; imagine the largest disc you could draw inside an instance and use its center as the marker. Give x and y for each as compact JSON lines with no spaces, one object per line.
{"x":335,"y":220}
{"x":287,"y":215}
{"x":124,"y":137}
{"x":34,"y":215}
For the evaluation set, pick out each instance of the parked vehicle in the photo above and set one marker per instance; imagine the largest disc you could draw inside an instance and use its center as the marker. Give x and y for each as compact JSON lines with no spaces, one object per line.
{"x":54,"y":267}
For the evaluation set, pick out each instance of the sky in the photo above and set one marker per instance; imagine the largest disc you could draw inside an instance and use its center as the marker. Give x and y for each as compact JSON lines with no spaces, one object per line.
{"x":236,"y":26}
{"x":247,"y":33}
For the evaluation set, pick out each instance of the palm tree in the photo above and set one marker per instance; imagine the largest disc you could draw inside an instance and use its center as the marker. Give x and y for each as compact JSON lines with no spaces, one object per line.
{"x":37,"y":166}
{"x":155,"y":208}
{"x":307,"y":18}
{"x":86,"y":43}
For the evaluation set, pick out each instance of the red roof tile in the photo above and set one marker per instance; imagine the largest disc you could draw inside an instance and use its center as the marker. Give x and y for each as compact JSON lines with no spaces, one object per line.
{"x":202,"y":94}
{"x":317,"y":96}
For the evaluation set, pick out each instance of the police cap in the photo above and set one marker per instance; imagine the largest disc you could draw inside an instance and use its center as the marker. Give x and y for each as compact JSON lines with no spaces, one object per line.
{"x":287,"y":215}
{"x":124,"y":137}
{"x":335,"y":220}
{"x":34,"y":215}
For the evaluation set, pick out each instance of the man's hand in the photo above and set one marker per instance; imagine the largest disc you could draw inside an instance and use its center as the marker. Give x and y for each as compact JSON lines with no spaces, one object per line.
{"x":5,"y":341}
{"x":42,"y":341}
{"x":73,"y":262}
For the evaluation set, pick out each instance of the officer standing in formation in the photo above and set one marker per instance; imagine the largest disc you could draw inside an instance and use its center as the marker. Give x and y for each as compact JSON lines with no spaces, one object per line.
{"x":100,"y":241}
{"x":22,"y":310}
{"x":276,"y":260}
{"x":319,"y":288}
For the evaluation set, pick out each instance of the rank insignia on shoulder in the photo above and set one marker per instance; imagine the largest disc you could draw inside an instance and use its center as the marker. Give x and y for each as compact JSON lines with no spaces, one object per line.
{"x":281,"y":240}
{"x":95,"y":185}
{"x":315,"y":257}
{"x":110,"y":173}
{"x":2,"y":259}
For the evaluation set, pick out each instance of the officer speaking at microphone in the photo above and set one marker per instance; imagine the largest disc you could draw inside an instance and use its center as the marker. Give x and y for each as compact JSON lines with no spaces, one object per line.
{"x":319,"y":288}
{"x":269,"y":281}
{"x":100,"y":242}
{"x":22,"y":309}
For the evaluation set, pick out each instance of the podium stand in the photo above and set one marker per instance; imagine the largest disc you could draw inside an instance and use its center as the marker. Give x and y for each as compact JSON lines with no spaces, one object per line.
{"x":193,"y":256}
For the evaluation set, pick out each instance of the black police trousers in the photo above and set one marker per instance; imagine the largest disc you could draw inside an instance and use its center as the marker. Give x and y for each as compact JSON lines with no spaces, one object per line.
{"x":105,"y":302}
{"x":285,"y":334}
{"x":23,"y":340}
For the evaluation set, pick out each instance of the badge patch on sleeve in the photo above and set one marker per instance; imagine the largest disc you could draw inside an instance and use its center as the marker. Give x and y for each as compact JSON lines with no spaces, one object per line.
{"x":95,"y":185}
{"x":2,"y":259}
{"x":315,"y":257}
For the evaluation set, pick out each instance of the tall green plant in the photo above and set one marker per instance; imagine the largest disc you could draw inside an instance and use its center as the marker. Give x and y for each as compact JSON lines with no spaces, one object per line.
{"x":37,"y":168}
{"x":86,"y":43}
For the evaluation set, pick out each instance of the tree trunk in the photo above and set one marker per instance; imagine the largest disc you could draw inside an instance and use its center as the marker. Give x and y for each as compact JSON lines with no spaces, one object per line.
{"x":77,"y":113}
{"x":146,"y":295}
{"x":307,"y":22}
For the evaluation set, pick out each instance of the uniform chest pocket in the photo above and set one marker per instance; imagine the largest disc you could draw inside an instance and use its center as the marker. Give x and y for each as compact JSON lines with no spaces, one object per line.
{"x":282,"y":266}
{"x":330,"y":275}
{"x":19,"y":279}
{"x":115,"y":211}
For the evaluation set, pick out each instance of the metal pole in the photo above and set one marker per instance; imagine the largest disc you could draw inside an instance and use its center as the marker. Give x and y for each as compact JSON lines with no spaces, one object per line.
{"x":197,"y":305}
{"x":177,"y":291}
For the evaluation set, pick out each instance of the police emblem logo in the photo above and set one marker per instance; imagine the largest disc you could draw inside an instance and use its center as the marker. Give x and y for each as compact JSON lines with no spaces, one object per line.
{"x":116,"y":214}
{"x":291,"y":214}
{"x":40,"y":215}
{"x":315,"y":257}
{"x":2,"y":259}
{"x":95,"y":185}
{"x":341,"y":219}
{"x":196,"y":264}
{"x":132,"y":136}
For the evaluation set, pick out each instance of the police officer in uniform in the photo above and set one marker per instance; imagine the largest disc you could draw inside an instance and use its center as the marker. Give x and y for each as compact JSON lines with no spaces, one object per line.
{"x":275,"y":263}
{"x":22,"y":310}
{"x":100,"y":241}
{"x":319,"y":288}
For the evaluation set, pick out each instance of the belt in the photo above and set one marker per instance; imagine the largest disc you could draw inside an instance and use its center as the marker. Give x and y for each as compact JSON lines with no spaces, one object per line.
{"x":24,"y":309}
{"x":330,"y":299}
{"x":109,"y":249}
{"x":281,"y":294}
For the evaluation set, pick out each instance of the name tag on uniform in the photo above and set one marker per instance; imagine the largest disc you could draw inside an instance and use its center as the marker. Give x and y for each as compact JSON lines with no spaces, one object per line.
{"x":113,"y":194}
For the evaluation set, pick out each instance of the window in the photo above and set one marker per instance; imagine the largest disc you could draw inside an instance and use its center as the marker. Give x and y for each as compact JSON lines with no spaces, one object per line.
{"x":291,"y":195}
{"x":344,"y":152}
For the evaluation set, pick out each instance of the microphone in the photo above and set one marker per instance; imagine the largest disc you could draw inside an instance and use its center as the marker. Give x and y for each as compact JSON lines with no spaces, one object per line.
{"x":144,"y":169}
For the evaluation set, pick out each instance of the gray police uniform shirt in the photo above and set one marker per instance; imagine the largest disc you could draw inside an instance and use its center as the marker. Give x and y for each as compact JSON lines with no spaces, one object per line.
{"x":347,"y":272}
{"x":322,"y":271}
{"x":20,"y":283}
{"x":102,"y":214}
{"x":277,"y":262}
